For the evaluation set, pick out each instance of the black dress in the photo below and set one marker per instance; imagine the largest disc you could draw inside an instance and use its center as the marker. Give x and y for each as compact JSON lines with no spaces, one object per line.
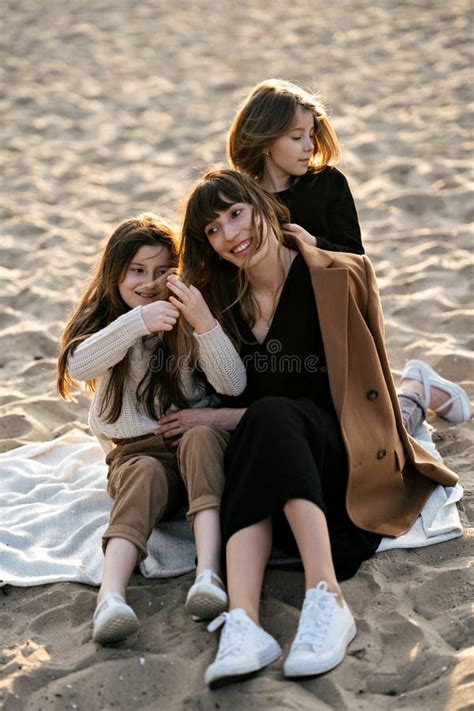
{"x":322,"y":204}
{"x":288,"y":444}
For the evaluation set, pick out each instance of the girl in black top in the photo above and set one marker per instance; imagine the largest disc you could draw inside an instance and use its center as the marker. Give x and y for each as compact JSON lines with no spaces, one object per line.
{"x":282,"y":137}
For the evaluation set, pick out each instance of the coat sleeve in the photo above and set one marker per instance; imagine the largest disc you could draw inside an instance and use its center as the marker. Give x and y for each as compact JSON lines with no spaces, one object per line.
{"x":375,"y":321}
{"x":374,"y":307}
{"x":341,"y":218}
{"x":417,"y":456}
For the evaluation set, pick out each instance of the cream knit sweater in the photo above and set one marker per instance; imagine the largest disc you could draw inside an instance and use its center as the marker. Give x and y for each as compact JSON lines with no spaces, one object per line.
{"x":94,"y":357}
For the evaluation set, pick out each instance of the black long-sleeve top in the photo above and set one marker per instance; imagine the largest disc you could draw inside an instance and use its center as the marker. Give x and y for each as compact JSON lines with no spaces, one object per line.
{"x":322,"y":204}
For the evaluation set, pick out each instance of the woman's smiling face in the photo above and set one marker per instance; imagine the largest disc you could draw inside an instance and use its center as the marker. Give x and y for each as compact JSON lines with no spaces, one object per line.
{"x":232,"y":236}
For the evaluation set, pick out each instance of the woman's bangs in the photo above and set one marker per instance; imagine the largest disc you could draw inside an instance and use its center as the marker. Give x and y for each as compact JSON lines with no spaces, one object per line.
{"x":212,"y":198}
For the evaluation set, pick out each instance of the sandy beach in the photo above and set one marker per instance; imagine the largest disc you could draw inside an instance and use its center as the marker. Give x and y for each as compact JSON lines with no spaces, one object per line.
{"x":110,"y":108}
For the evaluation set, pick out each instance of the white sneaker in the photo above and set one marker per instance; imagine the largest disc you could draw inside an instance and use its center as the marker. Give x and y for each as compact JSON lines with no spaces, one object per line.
{"x":113,"y":619}
{"x":324,"y":631}
{"x":206,"y":597}
{"x":457,"y":407}
{"x":244,"y":648}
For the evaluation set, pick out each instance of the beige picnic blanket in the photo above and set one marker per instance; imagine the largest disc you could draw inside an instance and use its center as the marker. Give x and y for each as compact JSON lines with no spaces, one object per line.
{"x":54,"y":508}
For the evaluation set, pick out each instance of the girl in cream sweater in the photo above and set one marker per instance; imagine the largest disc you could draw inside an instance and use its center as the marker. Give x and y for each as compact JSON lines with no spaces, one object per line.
{"x":123,"y":340}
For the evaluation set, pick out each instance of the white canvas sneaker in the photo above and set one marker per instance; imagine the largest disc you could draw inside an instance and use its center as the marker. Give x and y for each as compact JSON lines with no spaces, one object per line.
{"x":244,"y":648}
{"x":325,"y":629}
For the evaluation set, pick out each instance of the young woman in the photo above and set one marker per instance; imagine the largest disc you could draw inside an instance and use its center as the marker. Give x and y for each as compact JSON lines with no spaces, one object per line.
{"x":123,"y":340}
{"x":320,"y":461}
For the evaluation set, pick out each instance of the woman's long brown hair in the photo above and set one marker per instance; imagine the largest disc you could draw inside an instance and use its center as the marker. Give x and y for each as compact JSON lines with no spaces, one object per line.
{"x":101,"y":304}
{"x":223,"y":284}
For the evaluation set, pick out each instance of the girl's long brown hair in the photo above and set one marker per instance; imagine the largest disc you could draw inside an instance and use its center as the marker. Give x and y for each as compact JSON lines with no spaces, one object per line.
{"x":101,"y":304}
{"x":266,"y":114}
{"x":223,"y":284}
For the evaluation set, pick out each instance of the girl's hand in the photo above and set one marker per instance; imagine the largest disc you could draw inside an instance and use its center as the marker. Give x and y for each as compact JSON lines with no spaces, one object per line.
{"x":290,"y":228}
{"x":159,"y":316}
{"x":191,"y":304}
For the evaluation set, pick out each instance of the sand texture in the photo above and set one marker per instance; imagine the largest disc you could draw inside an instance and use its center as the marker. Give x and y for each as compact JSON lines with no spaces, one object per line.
{"x":113,"y":106}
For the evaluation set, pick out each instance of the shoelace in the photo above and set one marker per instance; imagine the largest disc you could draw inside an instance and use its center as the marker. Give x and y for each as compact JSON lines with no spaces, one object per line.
{"x":315,"y":618}
{"x":232,"y":635}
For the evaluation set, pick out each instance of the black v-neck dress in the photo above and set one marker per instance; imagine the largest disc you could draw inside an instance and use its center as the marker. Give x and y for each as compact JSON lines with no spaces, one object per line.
{"x":288,"y":444}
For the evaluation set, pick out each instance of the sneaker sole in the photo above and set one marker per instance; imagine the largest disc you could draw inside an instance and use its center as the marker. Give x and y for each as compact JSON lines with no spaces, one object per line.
{"x":227,"y":680}
{"x":205,"y":605}
{"x":223,"y":678}
{"x":117,"y":627}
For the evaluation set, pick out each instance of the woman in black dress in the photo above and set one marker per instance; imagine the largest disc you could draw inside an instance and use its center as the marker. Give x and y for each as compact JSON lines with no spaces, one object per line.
{"x":319,"y":462}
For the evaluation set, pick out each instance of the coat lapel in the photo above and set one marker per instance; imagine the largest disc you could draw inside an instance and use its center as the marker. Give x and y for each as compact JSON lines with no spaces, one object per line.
{"x":331,"y":289}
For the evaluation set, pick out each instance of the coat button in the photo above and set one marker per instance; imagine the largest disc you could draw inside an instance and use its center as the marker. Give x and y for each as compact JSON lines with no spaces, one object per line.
{"x":372,"y":395}
{"x":381,"y":453}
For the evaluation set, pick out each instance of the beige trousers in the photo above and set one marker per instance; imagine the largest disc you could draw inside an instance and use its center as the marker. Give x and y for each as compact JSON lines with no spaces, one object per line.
{"x":146,"y":476}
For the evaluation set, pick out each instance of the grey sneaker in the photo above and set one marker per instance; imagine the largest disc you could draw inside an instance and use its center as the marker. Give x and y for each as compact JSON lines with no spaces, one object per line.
{"x":325,"y":629}
{"x":244,"y":648}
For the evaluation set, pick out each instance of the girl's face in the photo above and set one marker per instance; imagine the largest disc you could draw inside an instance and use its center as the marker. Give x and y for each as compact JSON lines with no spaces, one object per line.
{"x":149,"y":263}
{"x":231,"y":235}
{"x":289,"y":155}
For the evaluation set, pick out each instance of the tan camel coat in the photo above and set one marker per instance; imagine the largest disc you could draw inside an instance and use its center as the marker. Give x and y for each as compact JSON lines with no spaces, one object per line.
{"x":390,"y":474}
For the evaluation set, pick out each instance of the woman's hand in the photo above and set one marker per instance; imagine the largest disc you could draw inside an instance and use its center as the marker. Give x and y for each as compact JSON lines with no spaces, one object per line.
{"x":293,"y":230}
{"x":159,"y":316}
{"x":179,"y":422}
{"x":191,"y":304}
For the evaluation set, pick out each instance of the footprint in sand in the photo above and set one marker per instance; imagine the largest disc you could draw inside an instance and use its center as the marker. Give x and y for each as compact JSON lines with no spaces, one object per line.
{"x":410,"y":661}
